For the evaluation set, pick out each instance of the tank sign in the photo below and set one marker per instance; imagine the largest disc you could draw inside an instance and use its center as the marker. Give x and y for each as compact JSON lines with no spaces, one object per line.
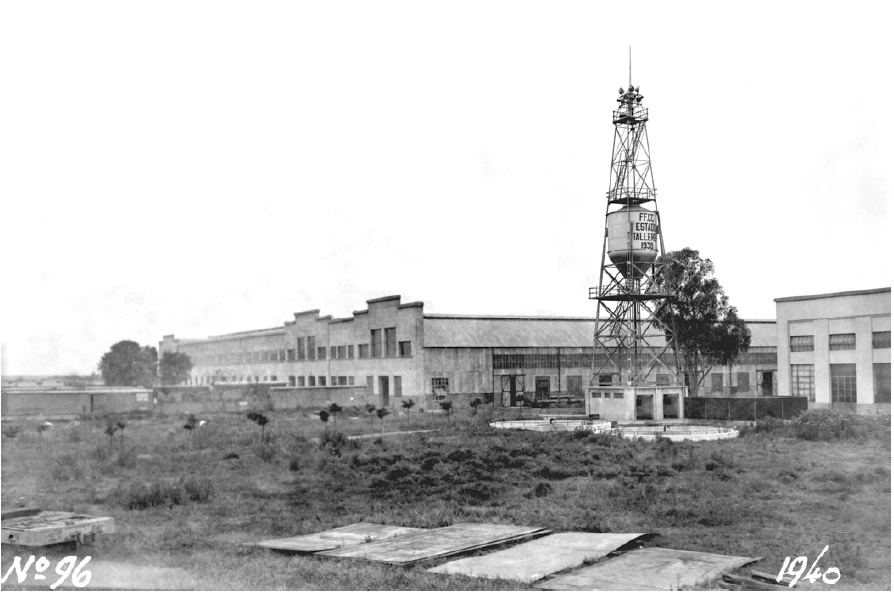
{"x":645,"y":231}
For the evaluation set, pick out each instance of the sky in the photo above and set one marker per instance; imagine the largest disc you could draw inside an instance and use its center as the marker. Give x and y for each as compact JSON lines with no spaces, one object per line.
{"x":198,"y":168}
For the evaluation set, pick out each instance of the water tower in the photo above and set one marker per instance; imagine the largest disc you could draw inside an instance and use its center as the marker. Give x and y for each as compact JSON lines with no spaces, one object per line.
{"x":635,"y":362}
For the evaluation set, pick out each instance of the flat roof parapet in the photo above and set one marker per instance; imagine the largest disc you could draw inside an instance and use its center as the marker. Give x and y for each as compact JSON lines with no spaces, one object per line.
{"x":832,"y":295}
{"x":380,"y":299}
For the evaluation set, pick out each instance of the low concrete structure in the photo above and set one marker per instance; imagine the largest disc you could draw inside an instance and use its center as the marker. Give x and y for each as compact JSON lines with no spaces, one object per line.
{"x":65,"y":403}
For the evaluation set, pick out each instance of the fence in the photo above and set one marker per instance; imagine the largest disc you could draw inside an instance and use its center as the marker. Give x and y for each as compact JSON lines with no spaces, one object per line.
{"x":744,"y":409}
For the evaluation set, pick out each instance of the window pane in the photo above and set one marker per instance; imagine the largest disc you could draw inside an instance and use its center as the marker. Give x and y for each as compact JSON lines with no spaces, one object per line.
{"x":803,"y":382}
{"x":882,"y":381}
{"x":842,"y":342}
{"x":844,"y":382}
{"x":391,"y":342}
{"x":881,"y":340}
{"x":801,"y":343}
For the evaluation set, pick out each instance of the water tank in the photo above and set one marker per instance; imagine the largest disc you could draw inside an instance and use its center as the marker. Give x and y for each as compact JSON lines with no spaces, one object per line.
{"x":632,"y":236}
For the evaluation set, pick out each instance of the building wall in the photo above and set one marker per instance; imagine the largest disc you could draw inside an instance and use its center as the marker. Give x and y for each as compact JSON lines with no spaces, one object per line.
{"x":71,"y":403}
{"x":343,"y":353}
{"x":860,"y":313}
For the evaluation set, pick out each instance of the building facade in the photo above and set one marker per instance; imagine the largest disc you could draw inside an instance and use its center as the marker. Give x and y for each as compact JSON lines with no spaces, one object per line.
{"x":835,"y":349}
{"x":392,"y":351}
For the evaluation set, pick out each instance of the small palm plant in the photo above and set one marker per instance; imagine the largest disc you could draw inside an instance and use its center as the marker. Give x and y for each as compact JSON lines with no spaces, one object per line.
{"x":382,"y":413}
{"x":191,"y":423}
{"x":408,"y":404}
{"x":370,"y":409}
{"x":446,"y":406}
{"x":261,"y":420}
{"x":111,"y":429}
{"x":334,"y":409}
{"x":121,"y":424}
{"x":475,"y":404}
{"x":40,"y":430}
{"x":324,"y":417}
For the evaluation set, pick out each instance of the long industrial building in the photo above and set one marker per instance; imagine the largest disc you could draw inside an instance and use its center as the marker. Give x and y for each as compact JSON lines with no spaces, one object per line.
{"x":392,"y":351}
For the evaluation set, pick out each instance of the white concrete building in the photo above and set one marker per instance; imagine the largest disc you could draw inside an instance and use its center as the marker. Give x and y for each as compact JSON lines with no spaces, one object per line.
{"x":835,"y":349}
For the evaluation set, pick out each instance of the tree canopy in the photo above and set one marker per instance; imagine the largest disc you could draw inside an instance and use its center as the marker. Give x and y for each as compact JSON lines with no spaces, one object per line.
{"x":174,"y":368}
{"x":129,"y":364}
{"x":708,"y":329}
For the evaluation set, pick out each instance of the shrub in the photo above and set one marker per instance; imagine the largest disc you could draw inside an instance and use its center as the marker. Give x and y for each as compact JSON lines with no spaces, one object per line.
{"x":294,"y":463}
{"x":540,"y":490}
{"x":198,"y":488}
{"x":12,"y":431}
{"x":266,"y":452}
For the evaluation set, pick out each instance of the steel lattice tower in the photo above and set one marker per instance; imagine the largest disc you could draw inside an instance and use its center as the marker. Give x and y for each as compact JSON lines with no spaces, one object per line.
{"x":629,"y":341}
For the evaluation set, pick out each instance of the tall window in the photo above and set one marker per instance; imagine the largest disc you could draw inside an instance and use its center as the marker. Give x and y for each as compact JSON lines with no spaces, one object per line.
{"x":405,"y":348}
{"x":300,"y":381}
{"x":311,"y":347}
{"x":717,"y":383}
{"x":882,"y":382}
{"x":290,"y":355}
{"x":311,"y":381}
{"x":391,"y":342}
{"x":375,"y":342}
{"x":333,"y":352}
{"x":321,"y":381}
{"x":662,"y":379}
{"x":842,"y":342}
{"x":300,"y":350}
{"x":321,"y":353}
{"x":350,"y":351}
{"x":844,"y":382}
{"x":881,"y":340}
{"x":801,"y":343}
{"x":363,"y":351}
{"x":439,"y":386}
{"x":803,"y":383}
{"x":342,"y":352}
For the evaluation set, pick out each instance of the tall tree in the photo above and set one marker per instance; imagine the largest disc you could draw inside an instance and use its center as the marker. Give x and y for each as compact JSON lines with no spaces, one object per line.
{"x":174,"y":368}
{"x":709,"y":331}
{"x":129,"y":364}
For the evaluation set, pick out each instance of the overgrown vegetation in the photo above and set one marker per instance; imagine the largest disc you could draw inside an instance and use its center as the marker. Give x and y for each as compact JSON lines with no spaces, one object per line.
{"x":829,"y":425}
{"x":771,"y":494}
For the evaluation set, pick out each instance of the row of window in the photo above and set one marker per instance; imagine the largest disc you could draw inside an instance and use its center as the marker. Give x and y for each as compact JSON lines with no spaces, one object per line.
{"x":306,"y":351}
{"x":840,"y":342}
{"x":843,"y":382}
{"x":756,"y":356}
{"x":310,"y":381}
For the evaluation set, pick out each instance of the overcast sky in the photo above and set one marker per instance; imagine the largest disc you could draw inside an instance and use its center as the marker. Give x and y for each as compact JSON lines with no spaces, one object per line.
{"x":200,"y":168}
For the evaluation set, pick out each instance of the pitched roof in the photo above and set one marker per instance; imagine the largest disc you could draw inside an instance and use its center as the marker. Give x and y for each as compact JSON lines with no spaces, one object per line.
{"x":534,"y":332}
{"x":506,"y":331}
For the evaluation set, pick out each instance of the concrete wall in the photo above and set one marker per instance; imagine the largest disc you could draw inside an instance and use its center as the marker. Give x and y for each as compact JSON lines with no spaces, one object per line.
{"x":859,"y":312}
{"x":71,"y":403}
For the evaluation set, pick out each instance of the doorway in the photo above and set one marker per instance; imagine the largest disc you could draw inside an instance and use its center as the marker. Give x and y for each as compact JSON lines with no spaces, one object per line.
{"x":398,"y":387}
{"x":513,"y":389}
{"x":383,"y":391}
{"x":644,"y":406}
{"x":765,"y":378}
{"x":541,"y":387}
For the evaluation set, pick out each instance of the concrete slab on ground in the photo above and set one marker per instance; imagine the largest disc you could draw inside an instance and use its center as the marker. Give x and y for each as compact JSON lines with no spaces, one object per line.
{"x":345,"y":536}
{"x":438,"y":542}
{"x":648,"y":569}
{"x":537,"y":559}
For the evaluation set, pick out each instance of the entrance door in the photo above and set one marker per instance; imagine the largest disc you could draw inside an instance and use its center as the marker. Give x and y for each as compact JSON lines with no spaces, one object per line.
{"x":670,"y":406}
{"x":383,"y":390}
{"x":398,"y":387}
{"x":513,"y":388}
{"x":644,"y":406}
{"x":766,"y":381}
{"x":541,"y":388}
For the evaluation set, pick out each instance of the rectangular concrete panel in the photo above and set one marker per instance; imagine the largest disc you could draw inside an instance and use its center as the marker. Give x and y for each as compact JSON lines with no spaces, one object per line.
{"x":531,"y":561}
{"x":648,"y":569}
{"x":439,"y":542}
{"x":337,"y":537}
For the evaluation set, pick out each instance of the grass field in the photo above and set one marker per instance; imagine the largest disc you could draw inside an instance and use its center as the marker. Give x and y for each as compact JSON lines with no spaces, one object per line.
{"x":770,"y":493}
